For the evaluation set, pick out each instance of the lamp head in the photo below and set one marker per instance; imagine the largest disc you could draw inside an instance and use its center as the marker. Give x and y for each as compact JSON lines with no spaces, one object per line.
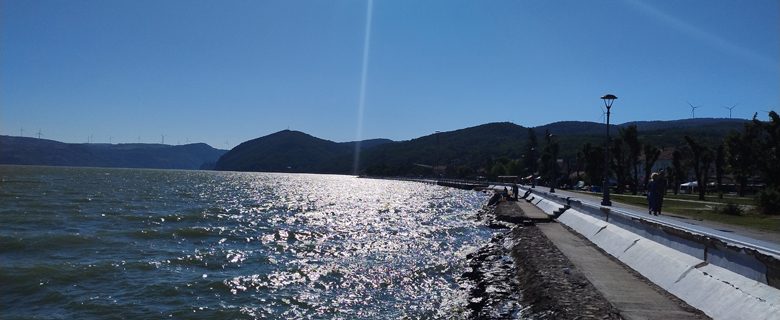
{"x":608,"y":100}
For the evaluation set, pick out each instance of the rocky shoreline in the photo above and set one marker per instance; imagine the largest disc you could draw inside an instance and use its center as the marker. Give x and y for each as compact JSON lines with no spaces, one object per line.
{"x":520,"y":274}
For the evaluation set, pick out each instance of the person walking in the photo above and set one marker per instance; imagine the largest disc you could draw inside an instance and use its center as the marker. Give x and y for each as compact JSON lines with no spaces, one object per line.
{"x":652,"y":195}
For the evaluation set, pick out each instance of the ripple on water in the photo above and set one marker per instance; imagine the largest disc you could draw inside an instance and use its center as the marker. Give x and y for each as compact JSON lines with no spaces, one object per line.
{"x":156,"y":243}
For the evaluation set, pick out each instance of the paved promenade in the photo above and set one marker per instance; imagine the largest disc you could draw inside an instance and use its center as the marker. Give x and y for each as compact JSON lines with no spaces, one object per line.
{"x":632,"y":295}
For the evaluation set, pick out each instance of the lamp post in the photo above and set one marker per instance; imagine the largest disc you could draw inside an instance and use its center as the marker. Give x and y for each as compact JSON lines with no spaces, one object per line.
{"x":533,"y":171}
{"x":553,"y":162}
{"x":608,"y":100}
{"x":438,"y":150}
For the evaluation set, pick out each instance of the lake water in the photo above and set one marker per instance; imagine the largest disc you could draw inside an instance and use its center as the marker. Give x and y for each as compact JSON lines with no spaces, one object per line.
{"x":81,"y":243}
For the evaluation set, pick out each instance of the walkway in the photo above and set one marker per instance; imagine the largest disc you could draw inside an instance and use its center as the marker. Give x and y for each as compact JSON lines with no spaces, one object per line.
{"x":632,"y":295}
{"x":519,"y":212}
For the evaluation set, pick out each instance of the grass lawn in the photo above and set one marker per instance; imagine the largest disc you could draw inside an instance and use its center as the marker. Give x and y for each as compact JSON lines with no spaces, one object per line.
{"x":700,"y":211}
{"x":714,"y":198}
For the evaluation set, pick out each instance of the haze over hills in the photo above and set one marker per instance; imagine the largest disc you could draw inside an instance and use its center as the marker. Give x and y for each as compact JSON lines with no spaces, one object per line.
{"x":474,"y":147}
{"x":31,"y":151}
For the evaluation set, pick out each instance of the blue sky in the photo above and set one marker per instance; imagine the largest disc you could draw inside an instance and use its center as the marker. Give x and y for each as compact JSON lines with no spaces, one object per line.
{"x":223,"y":72}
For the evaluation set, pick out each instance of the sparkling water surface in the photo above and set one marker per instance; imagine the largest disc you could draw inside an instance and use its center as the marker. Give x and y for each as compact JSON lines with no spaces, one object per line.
{"x":81,"y":243}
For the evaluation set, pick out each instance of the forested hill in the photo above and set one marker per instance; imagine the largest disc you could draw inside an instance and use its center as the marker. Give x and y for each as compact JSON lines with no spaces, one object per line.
{"x":31,"y":151}
{"x":475,"y":147}
{"x":717,"y":125}
{"x":293,"y":151}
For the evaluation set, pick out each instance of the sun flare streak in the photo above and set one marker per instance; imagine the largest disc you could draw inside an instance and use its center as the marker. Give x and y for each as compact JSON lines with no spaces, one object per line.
{"x":363,"y":76}
{"x":695,"y":32}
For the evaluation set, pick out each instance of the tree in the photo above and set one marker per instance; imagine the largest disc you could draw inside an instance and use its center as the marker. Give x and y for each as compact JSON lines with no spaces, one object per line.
{"x":498,"y":169}
{"x":464,"y":171}
{"x":594,"y":163}
{"x":679,"y":169}
{"x":739,"y":156}
{"x":548,"y":166}
{"x":531,"y":156}
{"x":579,"y":163}
{"x":720,"y":160}
{"x":513,"y":168}
{"x":707,"y":158}
{"x":702,"y":158}
{"x":554,"y":149}
{"x":768,"y":160}
{"x":630,"y":137}
{"x":651,"y":156}
{"x":620,"y":164}
{"x":769,"y":145}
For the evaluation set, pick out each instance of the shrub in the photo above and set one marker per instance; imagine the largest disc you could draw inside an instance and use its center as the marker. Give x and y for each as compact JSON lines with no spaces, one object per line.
{"x":731,"y":209}
{"x":769,"y":201}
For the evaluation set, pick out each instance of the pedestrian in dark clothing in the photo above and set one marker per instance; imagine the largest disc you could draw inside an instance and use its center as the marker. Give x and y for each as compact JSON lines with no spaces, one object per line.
{"x":515,"y":190}
{"x":655,"y":194}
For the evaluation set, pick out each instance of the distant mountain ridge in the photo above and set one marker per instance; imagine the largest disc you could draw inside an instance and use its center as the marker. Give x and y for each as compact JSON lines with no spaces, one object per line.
{"x":32,"y":151}
{"x":295,"y":151}
{"x":586,"y":127}
{"x":475,"y":147}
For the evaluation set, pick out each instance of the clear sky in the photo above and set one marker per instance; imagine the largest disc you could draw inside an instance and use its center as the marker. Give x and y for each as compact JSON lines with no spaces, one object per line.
{"x":223,"y":72}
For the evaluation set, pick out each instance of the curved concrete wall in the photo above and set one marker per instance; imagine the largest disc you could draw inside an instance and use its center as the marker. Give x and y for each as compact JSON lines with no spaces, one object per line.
{"x":748,"y":263}
{"x":720,"y":293}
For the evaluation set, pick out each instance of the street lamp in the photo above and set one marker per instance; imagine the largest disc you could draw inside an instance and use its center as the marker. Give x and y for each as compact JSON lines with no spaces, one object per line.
{"x":438,"y":150}
{"x":533,"y":171}
{"x":553,"y":162}
{"x":608,"y":100}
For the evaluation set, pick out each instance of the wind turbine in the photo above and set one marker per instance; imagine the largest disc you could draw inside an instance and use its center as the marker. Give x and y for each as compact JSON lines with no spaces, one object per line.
{"x":731,"y":108}
{"x":163,"y":139}
{"x":39,"y":134}
{"x":693,"y":110}
{"x":21,"y":132}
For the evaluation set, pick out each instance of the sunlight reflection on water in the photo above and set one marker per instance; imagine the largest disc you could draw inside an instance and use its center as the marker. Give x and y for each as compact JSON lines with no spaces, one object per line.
{"x":225,"y":244}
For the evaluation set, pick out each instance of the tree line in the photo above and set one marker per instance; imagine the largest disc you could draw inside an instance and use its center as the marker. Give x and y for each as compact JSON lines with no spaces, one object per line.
{"x":748,"y":157}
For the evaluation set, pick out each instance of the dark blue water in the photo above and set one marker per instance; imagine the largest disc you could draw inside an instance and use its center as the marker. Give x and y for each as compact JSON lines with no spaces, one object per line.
{"x":81,"y":243}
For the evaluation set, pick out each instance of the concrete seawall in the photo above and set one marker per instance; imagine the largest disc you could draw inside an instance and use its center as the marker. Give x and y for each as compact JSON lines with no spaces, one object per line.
{"x":724,"y":280}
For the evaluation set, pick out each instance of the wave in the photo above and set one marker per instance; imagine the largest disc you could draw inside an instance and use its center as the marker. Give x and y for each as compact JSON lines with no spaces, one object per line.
{"x":49,"y":242}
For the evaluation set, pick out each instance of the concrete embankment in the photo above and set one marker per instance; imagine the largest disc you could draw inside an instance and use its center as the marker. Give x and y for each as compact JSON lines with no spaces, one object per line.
{"x":666,"y":257}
